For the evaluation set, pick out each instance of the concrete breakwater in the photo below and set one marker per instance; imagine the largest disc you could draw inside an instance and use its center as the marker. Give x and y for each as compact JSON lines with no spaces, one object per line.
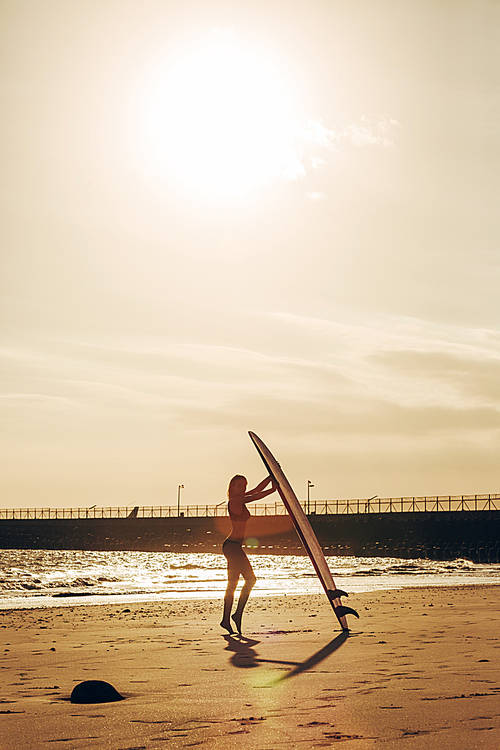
{"x":474,"y":535}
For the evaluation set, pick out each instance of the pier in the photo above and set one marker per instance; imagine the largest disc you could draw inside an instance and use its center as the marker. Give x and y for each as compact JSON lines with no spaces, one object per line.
{"x":434,"y":527}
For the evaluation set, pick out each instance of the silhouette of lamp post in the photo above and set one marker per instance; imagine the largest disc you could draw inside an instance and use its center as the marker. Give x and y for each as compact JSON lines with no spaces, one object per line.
{"x":179,"y":488}
{"x":309,"y":485}
{"x":368,"y":506}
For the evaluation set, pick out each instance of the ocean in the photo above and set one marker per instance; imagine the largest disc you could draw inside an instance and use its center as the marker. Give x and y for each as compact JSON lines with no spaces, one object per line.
{"x":47,"y":578}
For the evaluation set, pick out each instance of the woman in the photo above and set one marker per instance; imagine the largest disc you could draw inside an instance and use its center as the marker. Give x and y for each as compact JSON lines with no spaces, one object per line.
{"x":237,"y":561}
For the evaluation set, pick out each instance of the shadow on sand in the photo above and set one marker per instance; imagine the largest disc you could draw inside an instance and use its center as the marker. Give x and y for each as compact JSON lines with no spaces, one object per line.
{"x":244,"y":655}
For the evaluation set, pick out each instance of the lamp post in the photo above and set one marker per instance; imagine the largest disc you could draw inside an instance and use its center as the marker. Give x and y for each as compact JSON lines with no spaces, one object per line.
{"x":309,"y":485}
{"x":179,"y":488}
{"x":373,"y":497}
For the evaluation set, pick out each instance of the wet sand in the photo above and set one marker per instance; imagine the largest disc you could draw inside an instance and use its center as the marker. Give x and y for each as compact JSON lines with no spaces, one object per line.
{"x":420,"y":669}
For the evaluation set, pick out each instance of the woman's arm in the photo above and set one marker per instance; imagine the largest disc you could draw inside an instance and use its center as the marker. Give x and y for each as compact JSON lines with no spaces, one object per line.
{"x":251,"y":497}
{"x":260,"y":486}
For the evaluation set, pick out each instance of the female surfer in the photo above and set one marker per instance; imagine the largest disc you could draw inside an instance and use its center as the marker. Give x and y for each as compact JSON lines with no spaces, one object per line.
{"x":237,"y":561}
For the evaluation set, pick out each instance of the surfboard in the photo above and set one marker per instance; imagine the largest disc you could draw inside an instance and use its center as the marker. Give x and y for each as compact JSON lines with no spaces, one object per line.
{"x":304,"y":530}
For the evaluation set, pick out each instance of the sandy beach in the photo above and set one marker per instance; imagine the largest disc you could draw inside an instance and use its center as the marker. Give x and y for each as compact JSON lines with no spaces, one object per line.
{"x":420,"y":668}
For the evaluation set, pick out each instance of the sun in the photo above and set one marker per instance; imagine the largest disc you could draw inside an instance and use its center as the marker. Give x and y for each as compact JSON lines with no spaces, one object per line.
{"x":221,"y":118}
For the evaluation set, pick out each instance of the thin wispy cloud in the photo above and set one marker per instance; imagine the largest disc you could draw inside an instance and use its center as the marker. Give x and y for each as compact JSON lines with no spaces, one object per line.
{"x":371,"y":132}
{"x":397,"y":359}
{"x":353,"y":374}
{"x":316,"y":195}
{"x":33,"y":399}
{"x":317,"y":144}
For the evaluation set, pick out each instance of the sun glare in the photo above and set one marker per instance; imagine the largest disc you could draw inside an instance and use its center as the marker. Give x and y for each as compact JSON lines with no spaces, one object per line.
{"x":221,"y":119}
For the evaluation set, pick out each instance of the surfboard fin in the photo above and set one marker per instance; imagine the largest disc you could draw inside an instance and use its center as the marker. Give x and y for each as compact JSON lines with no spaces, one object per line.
{"x":336,"y":594}
{"x":341,"y":611}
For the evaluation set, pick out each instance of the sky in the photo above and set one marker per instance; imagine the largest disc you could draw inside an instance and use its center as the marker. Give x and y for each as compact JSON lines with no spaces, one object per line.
{"x":272,"y":216}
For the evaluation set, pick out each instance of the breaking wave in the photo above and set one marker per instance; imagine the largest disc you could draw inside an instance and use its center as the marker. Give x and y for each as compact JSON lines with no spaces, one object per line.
{"x":46,"y":577}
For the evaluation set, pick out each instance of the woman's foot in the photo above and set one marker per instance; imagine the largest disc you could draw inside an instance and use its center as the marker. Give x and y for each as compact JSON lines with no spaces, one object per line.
{"x":227,"y":625}
{"x":237,"y":621}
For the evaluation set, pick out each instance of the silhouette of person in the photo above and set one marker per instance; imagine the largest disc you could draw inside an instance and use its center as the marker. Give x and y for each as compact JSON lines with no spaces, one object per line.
{"x":237,"y":561}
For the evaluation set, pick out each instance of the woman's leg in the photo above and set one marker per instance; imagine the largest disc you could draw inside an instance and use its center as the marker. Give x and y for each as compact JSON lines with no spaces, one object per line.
{"x":230,"y":552}
{"x":232,"y":582}
{"x":249,"y":576}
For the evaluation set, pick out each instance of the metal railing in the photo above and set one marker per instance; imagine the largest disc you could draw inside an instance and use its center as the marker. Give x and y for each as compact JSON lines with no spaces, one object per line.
{"x":429,"y":503}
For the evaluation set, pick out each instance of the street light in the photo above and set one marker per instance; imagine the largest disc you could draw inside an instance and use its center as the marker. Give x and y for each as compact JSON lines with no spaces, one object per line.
{"x":309,"y":485}
{"x":369,"y":501}
{"x":179,"y":488}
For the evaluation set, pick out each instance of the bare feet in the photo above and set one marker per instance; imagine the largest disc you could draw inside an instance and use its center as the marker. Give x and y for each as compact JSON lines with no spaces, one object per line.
{"x":227,"y":625}
{"x":237,"y":621}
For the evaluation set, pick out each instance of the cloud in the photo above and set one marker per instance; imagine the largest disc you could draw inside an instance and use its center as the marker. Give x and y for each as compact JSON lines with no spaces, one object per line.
{"x":406,"y":361}
{"x":316,"y":196}
{"x":35,"y":399}
{"x":316,"y":144}
{"x":378,"y":378}
{"x":319,"y":135}
{"x":382,"y":397}
{"x":371,"y":132}
{"x":337,"y":419}
{"x":472,"y":377}
{"x":384,"y":333}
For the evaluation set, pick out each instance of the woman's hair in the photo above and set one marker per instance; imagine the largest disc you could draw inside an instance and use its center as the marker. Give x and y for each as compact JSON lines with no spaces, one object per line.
{"x":237,"y":478}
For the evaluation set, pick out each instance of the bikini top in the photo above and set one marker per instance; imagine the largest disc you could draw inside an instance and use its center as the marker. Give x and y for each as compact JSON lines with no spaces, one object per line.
{"x":243,"y":515}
